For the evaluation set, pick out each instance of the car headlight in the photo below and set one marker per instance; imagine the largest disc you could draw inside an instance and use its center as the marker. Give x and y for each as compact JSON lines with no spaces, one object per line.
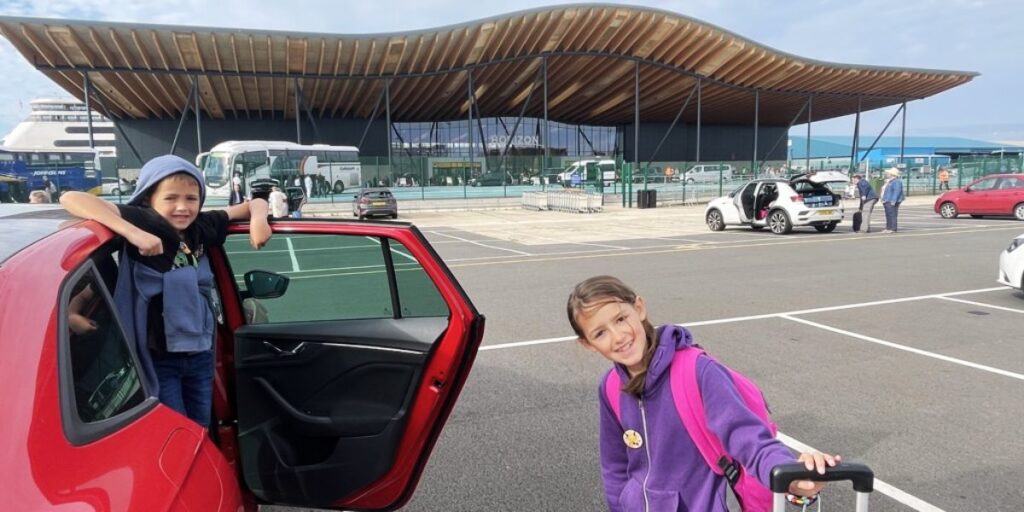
{"x":1015,"y":243}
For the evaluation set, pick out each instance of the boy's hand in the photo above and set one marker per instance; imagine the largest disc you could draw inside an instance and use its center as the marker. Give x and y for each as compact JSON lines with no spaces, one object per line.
{"x":148,"y":243}
{"x":80,"y":324}
{"x":813,"y":461}
{"x":259,"y":232}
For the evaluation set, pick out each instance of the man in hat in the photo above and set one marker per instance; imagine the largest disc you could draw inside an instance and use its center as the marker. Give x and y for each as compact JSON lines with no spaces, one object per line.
{"x":868,"y":199}
{"x":892,"y":196}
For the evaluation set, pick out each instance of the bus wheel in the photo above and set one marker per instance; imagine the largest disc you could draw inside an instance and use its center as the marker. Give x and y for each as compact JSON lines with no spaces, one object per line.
{"x":339,"y":187}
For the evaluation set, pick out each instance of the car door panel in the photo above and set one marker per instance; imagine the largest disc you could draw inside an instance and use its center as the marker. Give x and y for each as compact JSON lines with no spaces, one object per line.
{"x":343,"y":412}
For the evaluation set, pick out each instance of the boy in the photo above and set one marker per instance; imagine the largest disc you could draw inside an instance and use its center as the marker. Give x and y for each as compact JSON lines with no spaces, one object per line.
{"x":165,"y":283}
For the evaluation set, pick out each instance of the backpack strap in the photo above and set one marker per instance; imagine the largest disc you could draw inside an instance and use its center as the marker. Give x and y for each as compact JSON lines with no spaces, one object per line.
{"x":613,"y":392}
{"x":690,"y":406}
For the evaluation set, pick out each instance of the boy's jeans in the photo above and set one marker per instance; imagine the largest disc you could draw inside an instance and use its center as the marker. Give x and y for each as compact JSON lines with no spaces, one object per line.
{"x":186,"y":383}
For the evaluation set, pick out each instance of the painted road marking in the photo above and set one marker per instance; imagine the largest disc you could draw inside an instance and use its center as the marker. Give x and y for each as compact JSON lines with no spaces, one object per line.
{"x":880,"y":486}
{"x":291,"y":253}
{"x":897,"y":346}
{"x":982,"y":304}
{"x":480,"y":244}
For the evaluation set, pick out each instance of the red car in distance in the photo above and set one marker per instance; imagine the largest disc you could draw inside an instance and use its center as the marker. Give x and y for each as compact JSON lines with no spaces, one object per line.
{"x":995,"y":195}
{"x":341,"y":349}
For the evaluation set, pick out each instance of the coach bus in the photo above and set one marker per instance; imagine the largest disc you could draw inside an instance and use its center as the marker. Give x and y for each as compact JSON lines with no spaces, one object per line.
{"x":333,"y":169}
{"x":56,"y":170}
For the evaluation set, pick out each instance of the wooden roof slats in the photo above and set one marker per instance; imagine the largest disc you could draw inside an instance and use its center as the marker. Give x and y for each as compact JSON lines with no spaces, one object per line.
{"x":146,"y":70}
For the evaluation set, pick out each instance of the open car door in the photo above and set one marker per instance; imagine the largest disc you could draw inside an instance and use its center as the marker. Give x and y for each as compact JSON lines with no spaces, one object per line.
{"x":351,"y":344}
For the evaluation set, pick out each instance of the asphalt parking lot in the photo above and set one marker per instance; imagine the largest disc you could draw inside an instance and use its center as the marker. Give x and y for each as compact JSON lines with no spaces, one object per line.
{"x":899,"y":351}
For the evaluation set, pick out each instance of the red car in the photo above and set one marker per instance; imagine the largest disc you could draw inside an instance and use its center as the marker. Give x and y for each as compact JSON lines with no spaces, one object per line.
{"x":999,"y":194}
{"x":341,"y":349}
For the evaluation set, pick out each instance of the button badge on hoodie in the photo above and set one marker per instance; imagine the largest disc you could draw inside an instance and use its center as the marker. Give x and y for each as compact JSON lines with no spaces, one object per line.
{"x":632,"y":439}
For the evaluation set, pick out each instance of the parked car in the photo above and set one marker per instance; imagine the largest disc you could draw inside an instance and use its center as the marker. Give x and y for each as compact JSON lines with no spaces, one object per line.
{"x":114,"y":187}
{"x":1011,"y":264}
{"x":374,"y":201}
{"x":780,"y":205}
{"x":997,"y":195}
{"x":317,"y":403}
{"x":492,"y":179}
{"x":707,"y":173}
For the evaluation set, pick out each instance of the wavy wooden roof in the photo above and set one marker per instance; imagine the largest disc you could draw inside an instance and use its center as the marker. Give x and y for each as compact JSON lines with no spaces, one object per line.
{"x":145,"y":71}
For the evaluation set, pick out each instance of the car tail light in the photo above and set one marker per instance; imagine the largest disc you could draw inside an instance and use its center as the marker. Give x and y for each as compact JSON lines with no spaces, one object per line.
{"x":797,"y":198}
{"x":364,"y":200}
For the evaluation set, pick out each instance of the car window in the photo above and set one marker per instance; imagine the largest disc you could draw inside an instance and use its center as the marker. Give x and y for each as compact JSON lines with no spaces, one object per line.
{"x":335,"y":277}
{"x":986,"y":184}
{"x":1011,"y":183}
{"x":105,"y":375}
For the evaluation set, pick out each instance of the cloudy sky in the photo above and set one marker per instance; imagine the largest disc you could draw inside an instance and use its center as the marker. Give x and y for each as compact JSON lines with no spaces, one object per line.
{"x":986,"y":36}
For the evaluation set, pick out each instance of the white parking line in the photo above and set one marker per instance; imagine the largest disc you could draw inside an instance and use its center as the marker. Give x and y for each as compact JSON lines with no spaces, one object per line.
{"x":396,"y":251}
{"x":880,"y":486}
{"x":480,"y":244}
{"x":982,"y":304}
{"x":933,"y":355}
{"x":291,"y":252}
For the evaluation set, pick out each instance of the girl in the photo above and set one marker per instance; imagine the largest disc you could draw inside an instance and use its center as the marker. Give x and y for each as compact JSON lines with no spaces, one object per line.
{"x":648,"y":461}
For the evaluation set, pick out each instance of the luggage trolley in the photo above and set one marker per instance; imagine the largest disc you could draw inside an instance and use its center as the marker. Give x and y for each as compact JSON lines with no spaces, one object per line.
{"x":861,"y":476}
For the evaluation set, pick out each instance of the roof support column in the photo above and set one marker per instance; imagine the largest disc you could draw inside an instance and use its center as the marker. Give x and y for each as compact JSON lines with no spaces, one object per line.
{"x":903,"y":132}
{"x":387,"y":119}
{"x":117,"y":126}
{"x":298,"y":116}
{"x":636,"y":131}
{"x":700,"y":85}
{"x":373,"y":116}
{"x":872,"y":146}
{"x":515,"y":127}
{"x":469,"y":131}
{"x":856,"y":138}
{"x":184,"y":115}
{"x":754,"y":168}
{"x":668,"y":132}
{"x":785,"y":136}
{"x":544,"y":133}
{"x":195,"y":107}
{"x":810,"y":118}
{"x":88,"y":112}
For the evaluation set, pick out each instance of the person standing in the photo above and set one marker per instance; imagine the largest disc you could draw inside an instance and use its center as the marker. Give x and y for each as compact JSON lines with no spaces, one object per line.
{"x":278,"y":203}
{"x":236,"y":195}
{"x":308,"y":182}
{"x":943,"y":178}
{"x":868,"y":199}
{"x":892,"y":196}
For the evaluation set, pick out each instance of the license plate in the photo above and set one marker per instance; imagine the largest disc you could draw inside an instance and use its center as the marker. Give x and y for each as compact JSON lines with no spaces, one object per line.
{"x":378,"y":203}
{"x":824,"y":212}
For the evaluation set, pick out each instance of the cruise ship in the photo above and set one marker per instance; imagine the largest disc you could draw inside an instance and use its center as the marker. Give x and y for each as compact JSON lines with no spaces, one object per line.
{"x":61,"y":125}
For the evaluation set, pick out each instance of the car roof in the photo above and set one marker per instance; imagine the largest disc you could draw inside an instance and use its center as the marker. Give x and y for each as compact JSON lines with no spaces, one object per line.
{"x":26,"y":224}
{"x":375,"y":190}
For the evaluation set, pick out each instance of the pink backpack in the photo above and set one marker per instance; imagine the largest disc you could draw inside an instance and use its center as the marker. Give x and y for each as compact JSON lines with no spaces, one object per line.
{"x":752,"y":495}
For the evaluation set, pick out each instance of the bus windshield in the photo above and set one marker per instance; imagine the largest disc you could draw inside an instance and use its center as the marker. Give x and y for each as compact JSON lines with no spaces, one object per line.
{"x":215,"y":169}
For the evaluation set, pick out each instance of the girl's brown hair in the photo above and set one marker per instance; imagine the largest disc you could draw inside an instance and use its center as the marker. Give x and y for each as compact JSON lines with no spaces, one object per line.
{"x":598,"y":291}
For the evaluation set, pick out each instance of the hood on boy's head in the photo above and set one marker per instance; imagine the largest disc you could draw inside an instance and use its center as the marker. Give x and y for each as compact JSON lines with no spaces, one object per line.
{"x":160,"y":168}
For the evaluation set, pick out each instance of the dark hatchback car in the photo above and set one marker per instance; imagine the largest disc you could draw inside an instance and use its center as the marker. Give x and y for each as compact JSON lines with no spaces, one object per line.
{"x":374,"y":201}
{"x":336,"y":370}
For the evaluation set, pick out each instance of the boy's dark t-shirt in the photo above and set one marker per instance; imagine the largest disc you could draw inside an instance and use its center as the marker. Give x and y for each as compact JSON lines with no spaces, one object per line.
{"x":210,"y":229}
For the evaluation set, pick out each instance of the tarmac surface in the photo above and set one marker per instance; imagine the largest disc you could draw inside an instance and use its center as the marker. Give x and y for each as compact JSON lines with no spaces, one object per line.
{"x":899,"y":351}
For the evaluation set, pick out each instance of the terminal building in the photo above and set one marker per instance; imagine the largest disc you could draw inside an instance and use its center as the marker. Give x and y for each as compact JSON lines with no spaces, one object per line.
{"x":535,"y":87}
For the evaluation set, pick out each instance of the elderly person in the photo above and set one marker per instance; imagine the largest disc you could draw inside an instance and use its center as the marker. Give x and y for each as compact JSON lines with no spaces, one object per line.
{"x":39,"y":197}
{"x":868,"y":199}
{"x":892,"y":195}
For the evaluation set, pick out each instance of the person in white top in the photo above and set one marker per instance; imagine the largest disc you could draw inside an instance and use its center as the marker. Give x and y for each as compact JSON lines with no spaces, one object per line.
{"x":278,"y":203}
{"x":309,"y":186}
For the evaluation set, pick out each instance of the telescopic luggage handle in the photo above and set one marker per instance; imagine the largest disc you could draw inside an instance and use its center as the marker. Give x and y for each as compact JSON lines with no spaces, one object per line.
{"x":861,"y":476}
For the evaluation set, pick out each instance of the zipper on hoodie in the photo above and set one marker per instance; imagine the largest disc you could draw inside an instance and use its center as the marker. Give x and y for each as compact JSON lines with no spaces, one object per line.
{"x":647,"y":448}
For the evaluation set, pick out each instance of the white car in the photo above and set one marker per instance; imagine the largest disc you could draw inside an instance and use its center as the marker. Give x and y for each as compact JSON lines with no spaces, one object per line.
{"x":113,"y":187}
{"x":1011,"y":264}
{"x":780,"y":205}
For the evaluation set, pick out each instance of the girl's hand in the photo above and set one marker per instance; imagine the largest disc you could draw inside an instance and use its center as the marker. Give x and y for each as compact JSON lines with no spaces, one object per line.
{"x":813,"y":461}
{"x":148,"y":243}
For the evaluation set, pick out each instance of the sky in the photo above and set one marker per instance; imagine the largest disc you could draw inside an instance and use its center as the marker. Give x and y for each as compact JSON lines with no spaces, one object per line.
{"x":984,"y":36}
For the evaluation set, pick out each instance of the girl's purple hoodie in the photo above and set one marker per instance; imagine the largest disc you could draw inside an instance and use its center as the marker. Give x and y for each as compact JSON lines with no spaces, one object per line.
{"x":667,"y":472}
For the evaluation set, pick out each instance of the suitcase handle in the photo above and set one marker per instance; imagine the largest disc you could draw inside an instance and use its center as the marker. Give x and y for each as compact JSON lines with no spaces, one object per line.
{"x":784,"y":474}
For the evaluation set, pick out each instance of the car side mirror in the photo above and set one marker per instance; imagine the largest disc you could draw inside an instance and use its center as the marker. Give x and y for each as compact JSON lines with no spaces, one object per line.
{"x":968,"y":190}
{"x":262,"y":284}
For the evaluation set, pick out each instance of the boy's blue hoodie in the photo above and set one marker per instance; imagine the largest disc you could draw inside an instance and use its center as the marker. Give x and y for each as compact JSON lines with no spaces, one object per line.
{"x":188,"y":311}
{"x":667,"y":472}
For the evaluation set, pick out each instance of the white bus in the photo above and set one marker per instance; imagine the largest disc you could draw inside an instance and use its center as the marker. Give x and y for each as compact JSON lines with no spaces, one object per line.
{"x":334,"y":169}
